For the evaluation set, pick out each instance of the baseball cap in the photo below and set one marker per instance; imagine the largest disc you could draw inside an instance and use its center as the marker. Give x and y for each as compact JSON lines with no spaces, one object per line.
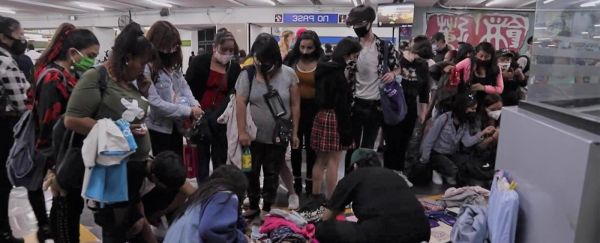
{"x":360,"y":15}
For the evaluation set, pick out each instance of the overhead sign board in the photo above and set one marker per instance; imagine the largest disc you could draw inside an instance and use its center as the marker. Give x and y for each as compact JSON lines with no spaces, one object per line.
{"x":310,"y":18}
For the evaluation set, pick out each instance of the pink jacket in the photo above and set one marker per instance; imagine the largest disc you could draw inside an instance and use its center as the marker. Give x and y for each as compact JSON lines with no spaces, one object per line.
{"x":465,"y":67}
{"x":273,"y":222}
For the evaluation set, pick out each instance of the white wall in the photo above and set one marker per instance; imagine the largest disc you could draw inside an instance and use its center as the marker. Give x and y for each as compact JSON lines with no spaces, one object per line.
{"x":187,"y":50}
{"x":106,"y":38}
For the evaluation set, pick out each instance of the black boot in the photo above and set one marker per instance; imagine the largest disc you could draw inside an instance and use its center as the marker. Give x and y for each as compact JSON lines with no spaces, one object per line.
{"x":7,"y":237}
{"x":44,"y":233}
{"x":308,"y":187}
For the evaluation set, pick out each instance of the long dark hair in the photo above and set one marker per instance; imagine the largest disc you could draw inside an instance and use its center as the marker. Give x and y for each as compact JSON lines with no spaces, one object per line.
{"x":345,"y":47}
{"x":7,"y":27}
{"x":422,"y":47}
{"x":492,"y":70}
{"x":165,"y":36}
{"x":460,"y":105}
{"x":266,"y":49}
{"x":294,"y":55}
{"x":65,"y":38}
{"x":224,"y":178}
{"x":130,"y":41}
{"x":464,"y":49}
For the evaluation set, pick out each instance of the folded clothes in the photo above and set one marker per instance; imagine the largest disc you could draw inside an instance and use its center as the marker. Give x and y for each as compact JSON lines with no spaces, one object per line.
{"x":431,"y":205}
{"x":474,"y":195}
{"x":272,"y":223}
{"x":286,"y":234}
{"x":291,"y":216}
{"x":313,"y":216}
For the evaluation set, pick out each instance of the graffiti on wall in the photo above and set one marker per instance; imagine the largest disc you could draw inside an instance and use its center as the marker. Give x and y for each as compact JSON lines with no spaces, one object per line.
{"x":502,"y":30}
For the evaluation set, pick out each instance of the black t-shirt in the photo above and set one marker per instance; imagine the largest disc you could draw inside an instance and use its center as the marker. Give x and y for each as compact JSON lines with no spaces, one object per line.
{"x":378,"y":193}
{"x":415,"y":78}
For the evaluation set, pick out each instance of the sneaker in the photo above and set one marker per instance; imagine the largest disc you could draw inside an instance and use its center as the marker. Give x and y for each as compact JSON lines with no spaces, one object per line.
{"x":436,"y":178}
{"x":44,"y":233}
{"x":293,"y":202}
{"x":401,"y":174}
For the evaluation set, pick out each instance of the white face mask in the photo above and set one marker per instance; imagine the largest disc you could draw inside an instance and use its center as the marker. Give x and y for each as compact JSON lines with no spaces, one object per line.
{"x":494,"y":114}
{"x":223,"y":59}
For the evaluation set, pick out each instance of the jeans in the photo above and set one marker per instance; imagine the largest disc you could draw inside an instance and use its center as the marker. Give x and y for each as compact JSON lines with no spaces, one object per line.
{"x":270,"y":158}
{"x":213,"y":148}
{"x":444,"y":164}
{"x":163,"y":142}
{"x":6,"y":126}
{"x":397,"y":137}
{"x":366,"y":121}
{"x":308,"y":111}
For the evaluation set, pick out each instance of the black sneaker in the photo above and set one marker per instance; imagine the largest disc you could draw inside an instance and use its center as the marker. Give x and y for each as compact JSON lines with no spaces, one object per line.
{"x":7,"y":237}
{"x":44,"y":233}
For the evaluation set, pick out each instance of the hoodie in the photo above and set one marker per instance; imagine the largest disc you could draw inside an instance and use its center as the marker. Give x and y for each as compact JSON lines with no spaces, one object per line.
{"x":333,"y":92}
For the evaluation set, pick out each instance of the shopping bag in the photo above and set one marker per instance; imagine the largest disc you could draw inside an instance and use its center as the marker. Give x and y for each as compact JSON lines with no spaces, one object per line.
{"x":108,"y":184}
{"x":190,"y":159}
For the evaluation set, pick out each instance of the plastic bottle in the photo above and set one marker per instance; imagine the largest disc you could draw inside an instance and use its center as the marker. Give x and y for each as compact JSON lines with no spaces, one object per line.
{"x":246,"y":160}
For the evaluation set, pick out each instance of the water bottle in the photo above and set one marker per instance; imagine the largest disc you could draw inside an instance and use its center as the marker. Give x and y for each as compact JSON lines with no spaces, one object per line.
{"x":246,"y":160}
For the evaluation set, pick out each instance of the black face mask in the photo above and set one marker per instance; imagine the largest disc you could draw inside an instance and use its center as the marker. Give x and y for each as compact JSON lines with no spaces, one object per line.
{"x":362,"y":31}
{"x":306,"y":55}
{"x":167,"y":59}
{"x":18,"y":47}
{"x":483,"y":63}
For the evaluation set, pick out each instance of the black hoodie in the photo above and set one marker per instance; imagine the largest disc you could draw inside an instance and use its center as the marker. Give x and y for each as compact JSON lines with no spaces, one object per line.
{"x":333,"y":92}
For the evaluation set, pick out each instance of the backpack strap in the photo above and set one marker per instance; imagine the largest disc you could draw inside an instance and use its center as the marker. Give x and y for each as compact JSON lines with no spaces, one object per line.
{"x":102,"y":79}
{"x":251,"y":71}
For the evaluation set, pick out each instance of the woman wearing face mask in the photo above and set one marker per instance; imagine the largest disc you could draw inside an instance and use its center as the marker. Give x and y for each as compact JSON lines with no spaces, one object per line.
{"x":447,"y":133}
{"x":286,"y":42}
{"x":332,"y":128}
{"x":273,"y":87}
{"x":13,"y":87}
{"x":465,"y":50}
{"x":481,"y":73}
{"x":493,"y":108}
{"x":70,"y":53}
{"x":303,"y":59}
{"x":170,"y":97}
{"x":212,"y":78}
{"x":121,"y":99}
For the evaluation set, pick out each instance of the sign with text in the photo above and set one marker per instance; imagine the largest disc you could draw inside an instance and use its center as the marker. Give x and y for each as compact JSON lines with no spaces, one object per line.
{"x":502,"y":30}
{"x":308,"y":18}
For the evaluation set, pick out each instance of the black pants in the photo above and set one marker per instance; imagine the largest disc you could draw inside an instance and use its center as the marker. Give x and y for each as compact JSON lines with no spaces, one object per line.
{"x":366,"y":121}
{"x":270,"y":158}
{"x":444,"y":164}
{"x":213,"y":148}
{"x":308,"y":111}
{"x":38,"y":204}
{"x":163,"y":142}
{"x":6,"y":126}
{"x":397,"y":137}
{"x":64,"y":216}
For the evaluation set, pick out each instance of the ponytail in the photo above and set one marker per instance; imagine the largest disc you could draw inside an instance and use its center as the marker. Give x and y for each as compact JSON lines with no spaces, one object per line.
{"x":130,"y":42}
{"x":55,"y":46}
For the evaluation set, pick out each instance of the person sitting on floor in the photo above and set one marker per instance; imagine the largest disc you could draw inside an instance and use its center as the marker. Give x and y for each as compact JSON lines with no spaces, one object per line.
{"x":213,"y":212}
{"x":387,"y":210}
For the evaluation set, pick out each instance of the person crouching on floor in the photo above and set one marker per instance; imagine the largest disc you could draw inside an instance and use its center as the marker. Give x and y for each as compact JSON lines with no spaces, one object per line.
{"x":213,"y":212}
{"x":386,"y":209}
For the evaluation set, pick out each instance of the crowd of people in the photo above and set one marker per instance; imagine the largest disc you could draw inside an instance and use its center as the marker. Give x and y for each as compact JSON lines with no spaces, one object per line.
{"x":436,"y":108}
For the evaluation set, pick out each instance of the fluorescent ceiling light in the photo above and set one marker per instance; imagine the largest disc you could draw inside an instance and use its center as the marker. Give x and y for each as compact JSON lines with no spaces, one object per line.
{"x":8,"y":11}
{"x":589,"y":4}
{"x":597,"y":25}
{"x":548,"y":1}
{"x":272,"y":2}
{"x":596,"y":37}
{"x":160,"y":3}
{"x":585,"y":33}
{"x":237,"y":2}
{"x":90,"y":6}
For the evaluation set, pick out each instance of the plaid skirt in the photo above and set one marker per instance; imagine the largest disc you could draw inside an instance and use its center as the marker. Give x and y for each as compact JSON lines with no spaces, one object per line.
{"x":324,"y":135}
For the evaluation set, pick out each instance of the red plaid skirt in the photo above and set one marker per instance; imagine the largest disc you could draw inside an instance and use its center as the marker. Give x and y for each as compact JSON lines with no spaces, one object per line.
{"x":325,"y":136}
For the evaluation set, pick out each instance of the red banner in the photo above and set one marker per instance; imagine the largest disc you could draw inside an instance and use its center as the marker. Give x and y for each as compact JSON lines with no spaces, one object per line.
{"x":502,"y":30}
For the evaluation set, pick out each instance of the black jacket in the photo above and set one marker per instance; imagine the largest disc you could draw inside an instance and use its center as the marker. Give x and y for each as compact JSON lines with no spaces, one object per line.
{"x":333,"y":92}
{"x":199,"y":69}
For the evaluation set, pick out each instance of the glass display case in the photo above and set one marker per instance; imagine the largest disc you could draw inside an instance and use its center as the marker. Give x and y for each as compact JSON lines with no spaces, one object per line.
{"x":565,"y":54}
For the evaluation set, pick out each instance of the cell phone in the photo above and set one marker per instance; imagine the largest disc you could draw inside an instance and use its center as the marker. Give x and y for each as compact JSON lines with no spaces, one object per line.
{"x":275,"y":103}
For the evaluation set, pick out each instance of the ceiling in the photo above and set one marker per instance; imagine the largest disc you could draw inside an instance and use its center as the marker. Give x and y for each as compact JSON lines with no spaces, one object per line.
{"x":69,"y":7}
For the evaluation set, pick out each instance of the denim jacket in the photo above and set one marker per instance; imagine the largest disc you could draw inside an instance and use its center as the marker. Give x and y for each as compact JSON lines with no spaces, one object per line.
{"x":444,"y":138}
{"x":164,"y":111}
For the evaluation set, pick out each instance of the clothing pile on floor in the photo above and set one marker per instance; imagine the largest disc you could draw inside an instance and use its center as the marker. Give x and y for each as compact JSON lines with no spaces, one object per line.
{"x":474,"y":214}
{"x":285,"y":226}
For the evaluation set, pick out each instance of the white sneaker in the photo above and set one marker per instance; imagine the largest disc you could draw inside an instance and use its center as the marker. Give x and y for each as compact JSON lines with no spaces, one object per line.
{"x":436,"y":178}
{"x":401,"y":174}
{"x":293,"y":202}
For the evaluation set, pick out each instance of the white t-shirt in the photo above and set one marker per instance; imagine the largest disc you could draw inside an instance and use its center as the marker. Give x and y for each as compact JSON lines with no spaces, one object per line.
{"x":367,"y":78}
{"x":34,"y":55}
